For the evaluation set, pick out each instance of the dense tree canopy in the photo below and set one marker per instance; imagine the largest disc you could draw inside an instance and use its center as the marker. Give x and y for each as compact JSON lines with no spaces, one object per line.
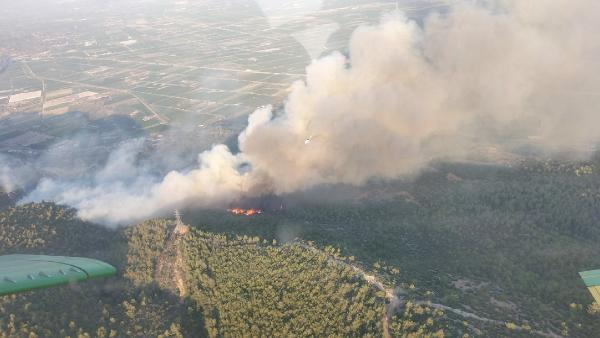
{"x":504,"y":243}
{"x":230,"y":286}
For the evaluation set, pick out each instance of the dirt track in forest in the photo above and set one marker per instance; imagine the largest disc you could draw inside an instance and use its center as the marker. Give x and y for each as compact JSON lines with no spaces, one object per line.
{"x":394,"y":301}
{"x":170,"y":267}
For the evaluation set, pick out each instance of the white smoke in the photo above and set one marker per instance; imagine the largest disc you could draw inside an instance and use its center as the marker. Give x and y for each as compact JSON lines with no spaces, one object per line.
{"x":14,"y":175}
{"x":407,"y":94}
{"x":124,"y":192}
{"x":7,"y":179}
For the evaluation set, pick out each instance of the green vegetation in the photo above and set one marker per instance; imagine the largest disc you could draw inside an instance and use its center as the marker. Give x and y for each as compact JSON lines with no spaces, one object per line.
{"x":187,"y":285}
{"x":103,"y":308}
{"x":49,"y":229}
{"x":503,"y":241}
{"x":245,"y":286}
{"x":417,"y":321}
{"x":504,"y":244}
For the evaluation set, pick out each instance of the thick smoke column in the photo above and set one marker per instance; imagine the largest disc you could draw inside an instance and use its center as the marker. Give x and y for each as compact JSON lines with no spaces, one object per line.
{"x":407,"y":94}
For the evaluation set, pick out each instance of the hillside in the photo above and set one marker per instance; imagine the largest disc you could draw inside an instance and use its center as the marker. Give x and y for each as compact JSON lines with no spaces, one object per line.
{"x":504,"y":242}
{"x":464,"y":249}
{"x":229,"y":286}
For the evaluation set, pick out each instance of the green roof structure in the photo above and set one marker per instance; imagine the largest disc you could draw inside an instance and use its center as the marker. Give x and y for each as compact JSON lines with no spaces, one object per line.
{"x":20,"y":273}
{"x":592,"y":281}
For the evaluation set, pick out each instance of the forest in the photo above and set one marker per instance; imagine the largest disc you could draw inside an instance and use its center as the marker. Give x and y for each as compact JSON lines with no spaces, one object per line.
{"x":499,"y":240}
{"x":464,"y":249}
{"x":195,"y":284}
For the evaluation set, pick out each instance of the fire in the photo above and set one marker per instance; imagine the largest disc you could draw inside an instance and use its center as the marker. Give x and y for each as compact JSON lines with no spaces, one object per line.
{"x":245,"y":212}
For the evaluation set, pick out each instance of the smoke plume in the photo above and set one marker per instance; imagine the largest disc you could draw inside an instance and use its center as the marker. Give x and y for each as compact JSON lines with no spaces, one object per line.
{"x":405,"y":94}
{"x":14,"y":174}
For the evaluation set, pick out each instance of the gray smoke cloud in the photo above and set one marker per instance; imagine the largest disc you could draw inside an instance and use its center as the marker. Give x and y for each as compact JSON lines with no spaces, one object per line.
{"x":406,"y":94}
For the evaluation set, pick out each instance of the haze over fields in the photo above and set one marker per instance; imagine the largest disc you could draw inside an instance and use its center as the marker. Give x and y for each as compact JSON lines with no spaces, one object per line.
{"x":439,"y":156}
{"x":402,"y":97}
{"x":175,"y":78}
{"x":185,"y":74}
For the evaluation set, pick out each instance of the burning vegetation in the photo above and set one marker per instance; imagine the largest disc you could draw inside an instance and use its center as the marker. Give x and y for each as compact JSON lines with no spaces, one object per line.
{"x":245,"y":212}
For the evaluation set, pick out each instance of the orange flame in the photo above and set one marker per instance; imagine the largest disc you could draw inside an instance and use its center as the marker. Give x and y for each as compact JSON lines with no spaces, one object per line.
{"x":245,"y":212}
